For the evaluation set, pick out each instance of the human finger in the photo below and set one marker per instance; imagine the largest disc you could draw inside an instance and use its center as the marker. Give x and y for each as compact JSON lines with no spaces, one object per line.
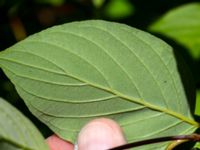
{"x":100,"y":134}
{"x":56,"y":143}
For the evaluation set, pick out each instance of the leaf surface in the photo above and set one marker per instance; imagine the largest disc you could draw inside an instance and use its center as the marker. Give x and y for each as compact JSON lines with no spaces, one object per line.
{"x":118,"y":9}
{"x":16,"y":131}
{"x":197,"y":107}
{"x":72,"y":73}
{"x":197,"y":145}
{"x":182,"y":24}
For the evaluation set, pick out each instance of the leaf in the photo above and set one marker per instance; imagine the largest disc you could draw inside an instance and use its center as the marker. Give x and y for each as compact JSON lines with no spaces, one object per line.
{"x":98,"y":3}
{"x":197,"y":107}
{"x":118,"y":9}
{"x":182,"y":24}
{"x":72,"y":73}
{"x":16,"y":131}
{"x":197,"y":145}
{"x":51,"y":2}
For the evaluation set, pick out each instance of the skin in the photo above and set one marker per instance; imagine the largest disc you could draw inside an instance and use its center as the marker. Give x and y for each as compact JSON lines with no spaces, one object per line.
{"x":99,"y":134}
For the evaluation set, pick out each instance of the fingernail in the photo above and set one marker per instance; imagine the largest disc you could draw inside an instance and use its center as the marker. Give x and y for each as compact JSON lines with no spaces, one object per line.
{"x":100,"y":134}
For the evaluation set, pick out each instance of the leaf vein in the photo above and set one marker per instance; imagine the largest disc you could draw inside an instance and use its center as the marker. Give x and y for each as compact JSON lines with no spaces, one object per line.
{"x":139,"y":60}
{"x":102,"y":48}
{"x":88,"y":116}
{"x":65,"y":50}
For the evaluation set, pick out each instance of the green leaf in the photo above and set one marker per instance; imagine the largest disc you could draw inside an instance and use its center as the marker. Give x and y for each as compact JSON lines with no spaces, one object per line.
{"x":183,"y":25}
{"x":51,"y":2}
{"x":72,"y":73}
{"x":118,"y":9}
{"x":197,"y":107}
{"x":197,"y":145}
{"x":98,"y":3}
{"x":16,"y":131}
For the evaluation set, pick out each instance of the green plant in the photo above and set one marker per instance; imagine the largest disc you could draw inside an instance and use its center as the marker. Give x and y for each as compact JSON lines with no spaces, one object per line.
{"x":72,"y":73}
{"x":16,"y":131}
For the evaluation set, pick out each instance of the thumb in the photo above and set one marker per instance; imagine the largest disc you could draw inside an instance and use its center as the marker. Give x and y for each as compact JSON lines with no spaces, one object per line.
{"x":100,"y":134}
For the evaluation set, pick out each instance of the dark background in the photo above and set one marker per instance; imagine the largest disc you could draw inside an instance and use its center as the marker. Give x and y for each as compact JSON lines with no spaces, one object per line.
{"x":21,"y":18}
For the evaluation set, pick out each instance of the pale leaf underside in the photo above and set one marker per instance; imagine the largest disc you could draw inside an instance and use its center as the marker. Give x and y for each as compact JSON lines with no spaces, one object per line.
{"x":75,"y":72}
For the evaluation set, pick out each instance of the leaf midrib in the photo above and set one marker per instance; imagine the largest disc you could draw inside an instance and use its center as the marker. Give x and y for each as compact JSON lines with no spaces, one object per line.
{"x":114,"y":92}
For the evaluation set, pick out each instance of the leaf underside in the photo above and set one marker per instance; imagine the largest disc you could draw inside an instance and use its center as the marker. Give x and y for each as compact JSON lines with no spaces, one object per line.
{"x":16,"y":131}
{"x":72,"y":73}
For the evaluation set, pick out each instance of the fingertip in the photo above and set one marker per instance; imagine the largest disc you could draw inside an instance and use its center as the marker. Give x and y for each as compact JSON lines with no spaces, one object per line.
{"x":56,"y":143}
{"x":100,"y":134}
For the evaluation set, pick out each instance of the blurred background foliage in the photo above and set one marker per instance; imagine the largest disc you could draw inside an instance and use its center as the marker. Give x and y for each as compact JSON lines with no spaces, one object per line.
{"x":21,"y":18}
